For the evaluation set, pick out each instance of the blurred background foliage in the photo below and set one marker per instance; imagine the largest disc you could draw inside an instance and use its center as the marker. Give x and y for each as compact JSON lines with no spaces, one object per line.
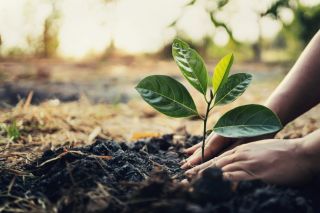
{"x":68,"y":68}
{"x":270,"y":31}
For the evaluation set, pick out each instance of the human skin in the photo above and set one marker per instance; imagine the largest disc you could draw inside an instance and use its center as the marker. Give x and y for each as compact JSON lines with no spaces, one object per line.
{"x":296,"y":94}
{"x":285,"y":162}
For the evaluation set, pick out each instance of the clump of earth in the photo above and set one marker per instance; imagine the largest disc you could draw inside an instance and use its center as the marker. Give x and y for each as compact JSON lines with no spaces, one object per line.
{"x":144,"y":176}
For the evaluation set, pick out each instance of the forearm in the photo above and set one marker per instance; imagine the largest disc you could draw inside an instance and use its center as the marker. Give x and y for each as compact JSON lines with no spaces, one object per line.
{"x":300,"y":90}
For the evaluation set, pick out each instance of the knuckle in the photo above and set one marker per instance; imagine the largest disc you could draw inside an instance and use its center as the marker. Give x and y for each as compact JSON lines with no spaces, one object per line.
{"x":242,"y":146}
{"x":229,"y":175}
{"x":213,"y":163}
{"x":252,"y":166}
{"x":236,"y":157}
{"x":243,"y":155}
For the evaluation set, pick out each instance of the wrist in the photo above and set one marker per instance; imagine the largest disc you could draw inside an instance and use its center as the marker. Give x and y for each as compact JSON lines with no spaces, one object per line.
{"x":308,"y":154}
{"x":275,"y":104}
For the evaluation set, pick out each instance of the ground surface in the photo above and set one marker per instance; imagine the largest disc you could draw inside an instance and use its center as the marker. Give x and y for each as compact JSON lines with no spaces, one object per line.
{"x":101,"y":103}
{"x":139,"y":177}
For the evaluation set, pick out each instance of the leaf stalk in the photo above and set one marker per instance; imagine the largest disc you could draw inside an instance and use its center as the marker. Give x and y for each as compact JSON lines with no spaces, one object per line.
{"x":205,"y":119}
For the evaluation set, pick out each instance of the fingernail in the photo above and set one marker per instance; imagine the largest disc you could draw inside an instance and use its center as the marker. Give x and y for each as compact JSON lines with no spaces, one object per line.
{"x":184,"y":150}
{"x":190,"y":173}
{"x":188,"y":158}
{"x":185,"y":181}
{"x":183,"y":161}
{"x":185,"y":166}
{"x":225,"y":176}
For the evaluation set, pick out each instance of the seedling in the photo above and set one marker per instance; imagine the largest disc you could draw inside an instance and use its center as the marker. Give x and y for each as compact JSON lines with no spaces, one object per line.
{"x":171,"y":98}
{"x":11,"y":130}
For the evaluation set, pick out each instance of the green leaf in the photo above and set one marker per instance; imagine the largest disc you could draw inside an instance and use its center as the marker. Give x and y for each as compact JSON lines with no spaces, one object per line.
{"x":167,"y":95}
{"x":221,"y":72}
{"x":191,"y":65}
{"x":234,"y":87}
{"x":247,"y":121}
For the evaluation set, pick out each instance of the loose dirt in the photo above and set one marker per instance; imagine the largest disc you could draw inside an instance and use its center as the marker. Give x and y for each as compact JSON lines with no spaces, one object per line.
{"x":144,"y":176}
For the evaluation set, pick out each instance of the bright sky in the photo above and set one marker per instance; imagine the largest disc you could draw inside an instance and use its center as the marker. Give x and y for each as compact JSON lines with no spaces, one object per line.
{"x":135,"y":26}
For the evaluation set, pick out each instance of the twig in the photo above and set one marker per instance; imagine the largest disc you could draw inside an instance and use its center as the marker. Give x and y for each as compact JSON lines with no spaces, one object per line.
{"x":74,"y":152}
{"x":14,"y":171}
{"x":11,"y":184}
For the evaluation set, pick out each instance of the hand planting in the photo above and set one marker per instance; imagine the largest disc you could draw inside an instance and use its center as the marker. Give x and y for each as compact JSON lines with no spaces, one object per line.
{"x":171,"y":98}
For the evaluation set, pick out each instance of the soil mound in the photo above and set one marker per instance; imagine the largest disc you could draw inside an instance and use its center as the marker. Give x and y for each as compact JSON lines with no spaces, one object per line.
{"x":139,"y":177}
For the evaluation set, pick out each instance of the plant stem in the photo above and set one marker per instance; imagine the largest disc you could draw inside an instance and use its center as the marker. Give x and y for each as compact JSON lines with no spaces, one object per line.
{"x":205,"y":119}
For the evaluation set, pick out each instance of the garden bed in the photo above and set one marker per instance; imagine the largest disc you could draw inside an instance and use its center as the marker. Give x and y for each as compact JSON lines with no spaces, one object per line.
{"x":144,"y":176}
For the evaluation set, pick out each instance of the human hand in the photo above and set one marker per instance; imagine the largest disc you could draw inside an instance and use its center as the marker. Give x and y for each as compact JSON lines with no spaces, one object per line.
{"x":274,"y":161}
{"x":214,"y":145}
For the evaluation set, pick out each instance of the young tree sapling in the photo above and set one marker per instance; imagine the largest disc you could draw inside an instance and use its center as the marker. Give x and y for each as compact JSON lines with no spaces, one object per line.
{"x":171,"y":98}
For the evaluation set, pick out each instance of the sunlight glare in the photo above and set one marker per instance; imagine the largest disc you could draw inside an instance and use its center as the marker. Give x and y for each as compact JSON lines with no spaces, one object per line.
{"x":87,"y":27}
{"x":140,"y":25}
{"x":84,"y":28}
{"x":221,"y":37}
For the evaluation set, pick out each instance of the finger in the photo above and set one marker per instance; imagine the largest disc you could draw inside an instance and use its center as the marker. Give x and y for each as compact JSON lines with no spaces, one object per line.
{"x":221,"y":162}
{"x":192,"y":149}
{"x":212,"y":164}
{"x":195,"y":152}
{"x":184,"y":182}
{"x":196,"y":158}
{"x":237,"y":149}
{"x":186,"y":165}
{"x":235,"y":144}
{"x":196,"y":169}
{"x":229,"y":152}
{"x":237,"y":166}
{"x":225,"y":154}
{"x":238,"y":176}
{"x":213,"y":147}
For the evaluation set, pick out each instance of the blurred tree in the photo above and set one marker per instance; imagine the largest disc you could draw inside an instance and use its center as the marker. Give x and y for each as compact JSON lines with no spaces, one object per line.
{"x":50,"y":40}
{"x":273,"y":11}
{"x":110,"y":51}
{"x":308,"y":19}
{"x":305,"y":24}
{"x":46,"y":43}
{"x":216,"y":7}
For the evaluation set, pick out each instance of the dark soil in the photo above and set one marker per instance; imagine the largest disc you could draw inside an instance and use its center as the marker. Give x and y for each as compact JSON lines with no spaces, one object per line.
{"x":139,"y":177}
